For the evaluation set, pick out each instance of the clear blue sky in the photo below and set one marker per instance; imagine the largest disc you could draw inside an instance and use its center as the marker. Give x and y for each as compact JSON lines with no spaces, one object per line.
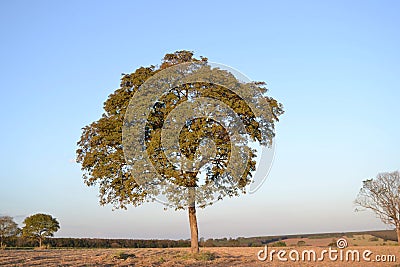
{"x":334,"y":65}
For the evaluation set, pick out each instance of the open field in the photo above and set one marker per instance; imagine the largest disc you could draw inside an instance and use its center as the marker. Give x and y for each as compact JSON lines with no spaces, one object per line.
{"x":353,"y":240}
{"x":221,"y":256}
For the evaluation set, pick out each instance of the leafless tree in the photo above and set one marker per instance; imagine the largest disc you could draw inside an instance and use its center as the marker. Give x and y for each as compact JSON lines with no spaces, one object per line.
{"x":382,"y":196}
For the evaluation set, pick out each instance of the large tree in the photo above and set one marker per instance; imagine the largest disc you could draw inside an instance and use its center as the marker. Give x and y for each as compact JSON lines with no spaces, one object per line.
{"x":40,"y":226}
{"x":108,"y":149}
{"x":382,"y":196}
{"x":7,"y":228}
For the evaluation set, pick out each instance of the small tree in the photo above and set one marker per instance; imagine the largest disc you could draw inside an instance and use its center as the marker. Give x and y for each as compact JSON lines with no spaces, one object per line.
{"x":382,"y":196}
{"x":40,"y":226}
{"x":7,"y":228}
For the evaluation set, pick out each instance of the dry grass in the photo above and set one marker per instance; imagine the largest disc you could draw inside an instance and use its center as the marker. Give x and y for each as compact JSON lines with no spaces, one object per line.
{"x":226,"y":256}
{"x":368,"y":240}
{"x":353,"y":240}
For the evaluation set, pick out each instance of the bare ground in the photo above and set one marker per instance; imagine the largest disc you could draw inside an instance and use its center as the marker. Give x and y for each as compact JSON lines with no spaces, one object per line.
{"x":225,"y":256}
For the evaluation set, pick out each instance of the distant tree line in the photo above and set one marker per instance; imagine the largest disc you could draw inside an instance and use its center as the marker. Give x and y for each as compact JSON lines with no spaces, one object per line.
{"x":24,"y":242}
{"x":39,"y":230}
{"x":96,"y":243}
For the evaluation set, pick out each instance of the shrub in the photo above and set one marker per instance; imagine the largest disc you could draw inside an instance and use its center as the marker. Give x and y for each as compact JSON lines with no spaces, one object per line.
{"x":278,"y":244}
{"x":205,"y":256}
{"x":201,"y":256}
{"x":301,"y":243}
{"x":333,"y":244}
{"x":123,"y":256}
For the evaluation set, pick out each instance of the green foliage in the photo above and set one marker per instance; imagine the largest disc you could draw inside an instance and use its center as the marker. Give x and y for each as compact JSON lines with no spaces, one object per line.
{"x":123,"y":255}
{"x":332,"y":244}
{"x":205,"y":256}
{"x":98,"y":243}
{"x":301,"y":243}
{"x":278,"y":244}
{"x":40,"y":226}
{"x":321,"y":236}
{"x":100,"y":150}
{"x":201,"y":256}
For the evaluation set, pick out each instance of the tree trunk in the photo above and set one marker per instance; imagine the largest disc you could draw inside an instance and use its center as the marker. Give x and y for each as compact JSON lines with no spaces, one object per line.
{"x":194,"y":234}
{"x":398,"y":234}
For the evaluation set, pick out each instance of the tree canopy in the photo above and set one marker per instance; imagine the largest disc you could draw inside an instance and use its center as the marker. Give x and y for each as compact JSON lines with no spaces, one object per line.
{"x":100,"y":149}
{"x":40,"y":226}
